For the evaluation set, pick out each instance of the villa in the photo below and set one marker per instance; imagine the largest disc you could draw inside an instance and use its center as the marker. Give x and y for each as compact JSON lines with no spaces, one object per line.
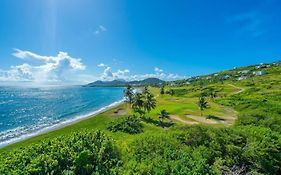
{"x":242,"y":78}
{"x":259,"y":73}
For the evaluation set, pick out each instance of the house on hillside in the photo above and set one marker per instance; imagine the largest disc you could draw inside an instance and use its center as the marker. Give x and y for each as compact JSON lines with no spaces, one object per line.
{"x":276,"y":63}
{"x":261,"y":66}
{"x":226,"y":77}
{"x":259,"y":73}
{"x":242,"y":78}
{"x":244,"y":72}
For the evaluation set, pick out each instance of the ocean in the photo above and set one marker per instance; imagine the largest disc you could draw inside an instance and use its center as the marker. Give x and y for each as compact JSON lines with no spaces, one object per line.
{"x":25,"y":111}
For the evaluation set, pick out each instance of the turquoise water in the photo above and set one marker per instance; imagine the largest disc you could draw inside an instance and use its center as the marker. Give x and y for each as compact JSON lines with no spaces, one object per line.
{"x":24,"y":111}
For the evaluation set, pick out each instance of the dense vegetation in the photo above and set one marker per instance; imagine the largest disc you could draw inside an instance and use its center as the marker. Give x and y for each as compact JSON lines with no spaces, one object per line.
{"x":205,"y":150}
{"x":79,"y":153}
{"x":216,"y":143}
{"x":131,"y":125}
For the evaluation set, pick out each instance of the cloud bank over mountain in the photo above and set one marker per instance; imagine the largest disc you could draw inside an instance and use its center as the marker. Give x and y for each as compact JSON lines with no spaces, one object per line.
{"x":65,"y":69}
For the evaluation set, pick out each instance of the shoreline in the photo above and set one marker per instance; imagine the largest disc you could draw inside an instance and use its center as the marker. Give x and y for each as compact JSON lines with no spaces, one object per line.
{"x":61,"y":124}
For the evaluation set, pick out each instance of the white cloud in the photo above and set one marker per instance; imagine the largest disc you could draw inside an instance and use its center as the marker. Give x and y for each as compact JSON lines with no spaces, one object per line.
{"x":102,"y":65}
{"x":61,"y":68}
{"x":100,"y":29}
{"x":64,"y":69}
{"x":156,"y":69}
{"x":108,"y":74}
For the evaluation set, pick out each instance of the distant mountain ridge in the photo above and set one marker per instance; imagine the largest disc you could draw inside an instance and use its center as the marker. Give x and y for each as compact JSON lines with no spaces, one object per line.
{"x":122,"y":83}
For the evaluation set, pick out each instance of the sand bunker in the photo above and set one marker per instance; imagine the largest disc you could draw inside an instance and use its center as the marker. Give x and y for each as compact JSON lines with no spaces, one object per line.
{"x":120,"y":111}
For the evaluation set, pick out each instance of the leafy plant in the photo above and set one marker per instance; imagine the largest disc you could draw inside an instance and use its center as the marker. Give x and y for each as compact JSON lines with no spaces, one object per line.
{"x":130,"y":125}
{"x":202,"y":103}
{"x":78,"y":153}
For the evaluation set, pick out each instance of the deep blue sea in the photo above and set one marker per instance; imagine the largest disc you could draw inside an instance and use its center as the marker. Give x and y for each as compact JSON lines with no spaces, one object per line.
{"x":25,"y":111}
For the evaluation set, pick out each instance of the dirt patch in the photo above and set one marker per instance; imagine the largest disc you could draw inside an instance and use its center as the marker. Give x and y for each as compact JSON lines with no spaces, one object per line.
{"x":177,"y":118}
{"x":203,"y":119}
{"x":120,"y":111}
{"x":240,"y":89}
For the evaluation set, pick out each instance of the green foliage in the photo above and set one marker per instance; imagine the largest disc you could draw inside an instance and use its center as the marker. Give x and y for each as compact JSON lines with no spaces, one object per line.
{"x":162,"y":90}
{"x":143,"y":102}
{"x":253,"y":148}
{"x":202,"y":103}
{"x":80,"y":153}
{"x":177,"y":92}
{"x":210,"y":92}
{"x":130,"y":125}
{"x":163,"y":154}
{"x":128,"y":93}
{"x":163,"y":115}
{"x":149,"y":102}
{"x":137,"y":104}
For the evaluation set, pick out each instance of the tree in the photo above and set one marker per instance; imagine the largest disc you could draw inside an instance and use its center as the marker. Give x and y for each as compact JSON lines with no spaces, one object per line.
{"x":137,"y":103}
{"x":202,"y":103}
{"x":162,"y":90}
{"x":129,"y":94}
{"x":172,"y":92}
{"x":149,"y":102}
{"x":210,"y":92}
{"x":163,"y":114}
{"x":145,"y":90}
{"x":213,"y":94}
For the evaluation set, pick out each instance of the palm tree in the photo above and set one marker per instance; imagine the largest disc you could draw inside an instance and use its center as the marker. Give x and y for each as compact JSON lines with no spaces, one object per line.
{"x":172,"y":92}
{"x":213,"y":94}
{"x":149,"y":102}
{"x":128,"y":93}
{"x":138,"y":103}
{"x":162,"y":90}
{"x":202,"y":103}
{"x":145,"y":90}
{"x":163,"y":114}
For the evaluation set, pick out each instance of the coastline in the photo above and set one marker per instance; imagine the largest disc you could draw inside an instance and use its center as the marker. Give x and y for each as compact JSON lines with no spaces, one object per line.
{"x":61,"y":124}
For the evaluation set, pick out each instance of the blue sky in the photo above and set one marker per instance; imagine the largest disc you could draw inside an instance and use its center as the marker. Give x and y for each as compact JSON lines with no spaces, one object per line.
{"x":86,"y":40}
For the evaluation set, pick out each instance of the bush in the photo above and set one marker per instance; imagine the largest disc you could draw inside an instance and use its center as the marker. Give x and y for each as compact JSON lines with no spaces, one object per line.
{"x":248,"y":148}
{"x":79,"y":153}
{"x":163,"y":154}
{"x":131,"y":125}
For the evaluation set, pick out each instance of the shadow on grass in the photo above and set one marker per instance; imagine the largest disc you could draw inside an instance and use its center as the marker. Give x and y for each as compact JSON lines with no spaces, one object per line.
{"x":157,"y":122}
{"x":215,"y":118}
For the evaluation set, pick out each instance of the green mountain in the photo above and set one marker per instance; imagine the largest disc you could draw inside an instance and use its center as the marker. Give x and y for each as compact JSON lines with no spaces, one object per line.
{"x":123,"y":83}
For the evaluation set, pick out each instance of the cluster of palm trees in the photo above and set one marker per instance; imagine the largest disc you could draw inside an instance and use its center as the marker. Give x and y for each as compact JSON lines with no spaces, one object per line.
{"x":141,"y":102}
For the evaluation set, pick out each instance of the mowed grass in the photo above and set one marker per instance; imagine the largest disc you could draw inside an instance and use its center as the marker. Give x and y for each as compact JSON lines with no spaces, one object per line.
{"x":185,"y":105}
{"x":180,"y":106}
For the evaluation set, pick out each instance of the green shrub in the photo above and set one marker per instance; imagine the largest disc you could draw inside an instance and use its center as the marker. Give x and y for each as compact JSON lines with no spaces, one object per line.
{"x":130,"y":125}
{"x":163,"y":154}
{"x":78,"y":153}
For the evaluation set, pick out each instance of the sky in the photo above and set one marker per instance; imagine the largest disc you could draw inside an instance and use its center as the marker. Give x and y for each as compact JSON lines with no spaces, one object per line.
{"x":79,"y":41}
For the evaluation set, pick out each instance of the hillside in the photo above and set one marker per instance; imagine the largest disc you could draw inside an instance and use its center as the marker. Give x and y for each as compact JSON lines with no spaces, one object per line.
{"x":123,"y":83}
{"x":238,"y":132}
